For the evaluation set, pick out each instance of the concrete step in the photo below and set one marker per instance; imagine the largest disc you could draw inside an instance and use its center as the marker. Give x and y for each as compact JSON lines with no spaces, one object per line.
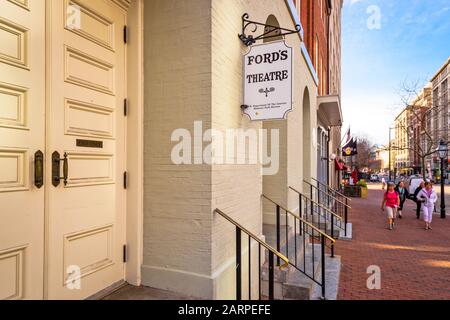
{"x":349,"y":236}
{"x":298,"y":285}
{"x":269,"y":232}
{"x":332,"y":275}
{"x":280,"y":274}
{"x":290,"y":283}
{"x":321,"y":226}
{"x":277,"y":289}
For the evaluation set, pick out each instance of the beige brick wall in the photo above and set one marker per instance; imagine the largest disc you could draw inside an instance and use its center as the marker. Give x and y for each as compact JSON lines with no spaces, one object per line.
{"x":177,"y":198}
{"x":193,"y":71}
{"x":237,"y":189}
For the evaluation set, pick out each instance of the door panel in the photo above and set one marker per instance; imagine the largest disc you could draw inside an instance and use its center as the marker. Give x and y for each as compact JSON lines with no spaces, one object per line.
{"x":22,"y":133}
{"x":86,"y":215}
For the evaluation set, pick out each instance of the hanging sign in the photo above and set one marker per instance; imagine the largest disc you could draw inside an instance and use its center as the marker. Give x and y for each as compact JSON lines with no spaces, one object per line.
{"x":268,"y":80}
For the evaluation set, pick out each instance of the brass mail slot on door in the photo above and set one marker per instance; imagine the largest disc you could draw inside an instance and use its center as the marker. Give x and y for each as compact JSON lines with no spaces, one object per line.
{"x":89,"y":143}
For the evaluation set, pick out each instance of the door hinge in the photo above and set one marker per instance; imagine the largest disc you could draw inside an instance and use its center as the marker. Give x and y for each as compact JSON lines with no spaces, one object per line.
{"x":125,"y":107}
{"x":124,"y":253}
{"x":125,"y":34}
{"x":125,"y":180}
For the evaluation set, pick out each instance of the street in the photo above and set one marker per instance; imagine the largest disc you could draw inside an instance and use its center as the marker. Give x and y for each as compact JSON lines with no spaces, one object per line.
{"x":414,"y":263}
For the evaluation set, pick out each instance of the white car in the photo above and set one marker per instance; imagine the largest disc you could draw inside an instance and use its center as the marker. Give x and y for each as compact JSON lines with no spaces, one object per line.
{"x":413,"y":183}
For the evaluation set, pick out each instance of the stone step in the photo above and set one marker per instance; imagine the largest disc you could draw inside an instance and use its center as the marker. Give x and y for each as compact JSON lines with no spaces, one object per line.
{"x":298,"y":285}
{"x":349,"y":236}
{"x":277,"y":289}
{"x":280,"y":274}
{"x":288,"y":251}
{"x":290,"y":283}
{"x":332,"y":275}
{"x":322,"y":226}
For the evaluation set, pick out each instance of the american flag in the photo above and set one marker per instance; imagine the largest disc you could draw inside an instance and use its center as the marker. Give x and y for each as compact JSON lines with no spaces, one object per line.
{"x":348,"y":135}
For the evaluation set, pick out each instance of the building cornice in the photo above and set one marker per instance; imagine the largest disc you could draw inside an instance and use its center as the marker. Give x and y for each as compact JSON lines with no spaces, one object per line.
{"x":441,"y":69}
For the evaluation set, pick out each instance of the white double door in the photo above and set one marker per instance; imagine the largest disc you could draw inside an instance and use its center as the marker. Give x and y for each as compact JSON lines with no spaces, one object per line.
{"x":62,"y":212}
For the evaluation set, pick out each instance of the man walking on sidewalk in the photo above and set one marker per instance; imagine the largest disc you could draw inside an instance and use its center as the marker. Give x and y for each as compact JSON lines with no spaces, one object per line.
{"x":417,"y":200}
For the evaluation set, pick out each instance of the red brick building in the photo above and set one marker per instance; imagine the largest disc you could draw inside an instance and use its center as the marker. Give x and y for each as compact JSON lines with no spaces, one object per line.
{"x":315,"y":18}
{"x":321,"y":21}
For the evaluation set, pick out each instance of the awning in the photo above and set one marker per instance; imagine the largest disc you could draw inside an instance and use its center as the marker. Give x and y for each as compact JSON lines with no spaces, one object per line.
{"x":329,"y":109}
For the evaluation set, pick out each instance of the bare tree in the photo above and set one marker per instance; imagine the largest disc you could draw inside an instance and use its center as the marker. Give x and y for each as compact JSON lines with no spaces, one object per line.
{"x":421,"y":125}
{"x":362,"y":158}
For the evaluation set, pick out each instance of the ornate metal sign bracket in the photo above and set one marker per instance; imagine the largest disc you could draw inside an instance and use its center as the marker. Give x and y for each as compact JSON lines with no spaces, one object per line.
{"x":269,"y":31}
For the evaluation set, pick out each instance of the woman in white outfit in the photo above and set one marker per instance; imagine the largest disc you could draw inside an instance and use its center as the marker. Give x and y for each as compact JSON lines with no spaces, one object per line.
{"x":429,"y":198}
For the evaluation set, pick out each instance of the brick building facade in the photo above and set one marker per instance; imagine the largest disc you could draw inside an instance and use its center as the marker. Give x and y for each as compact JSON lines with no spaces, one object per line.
{"x":321,"y":20}
{"x":315,"y":18}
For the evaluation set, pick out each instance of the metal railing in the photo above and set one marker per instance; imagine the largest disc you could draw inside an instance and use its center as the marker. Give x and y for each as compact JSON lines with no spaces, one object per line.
{"x":333,"y":200}
{"x":336,"y":193}
{"x":306,"y":233}
{"x":318,"y":214}
{"x":261,"y":246}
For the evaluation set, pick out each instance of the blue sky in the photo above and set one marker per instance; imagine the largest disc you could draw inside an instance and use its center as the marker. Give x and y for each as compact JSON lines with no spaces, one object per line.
{"x":413,"y":41}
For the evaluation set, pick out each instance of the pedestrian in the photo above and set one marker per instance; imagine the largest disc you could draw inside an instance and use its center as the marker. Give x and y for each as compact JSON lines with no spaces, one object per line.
{"x":403,"y":194}
{"x":417,"y":200}
{"x":391,"y":202}
{"x":429,"y":197}
{"x":383,"y":183}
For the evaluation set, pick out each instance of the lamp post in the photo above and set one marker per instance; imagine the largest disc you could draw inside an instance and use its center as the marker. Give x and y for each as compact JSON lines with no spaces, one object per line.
{"x":442,"y":150}
{"x":390,"y":146}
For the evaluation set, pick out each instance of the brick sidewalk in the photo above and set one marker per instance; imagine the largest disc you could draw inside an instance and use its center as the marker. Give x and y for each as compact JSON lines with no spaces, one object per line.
{"x":415,"y":264}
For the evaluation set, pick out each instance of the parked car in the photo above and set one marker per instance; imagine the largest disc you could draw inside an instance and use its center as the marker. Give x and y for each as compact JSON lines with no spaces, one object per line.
{"x":413,"y":182}
{"x":374,"y":178}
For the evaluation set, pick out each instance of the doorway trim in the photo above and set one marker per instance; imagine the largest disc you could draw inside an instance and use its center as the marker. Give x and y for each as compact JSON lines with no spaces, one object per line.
{"x":135,"y":143}
{"x":134,"y":69}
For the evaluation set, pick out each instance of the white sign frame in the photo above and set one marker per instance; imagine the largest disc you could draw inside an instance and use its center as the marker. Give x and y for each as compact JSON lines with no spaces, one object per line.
{"x":254,"y":92}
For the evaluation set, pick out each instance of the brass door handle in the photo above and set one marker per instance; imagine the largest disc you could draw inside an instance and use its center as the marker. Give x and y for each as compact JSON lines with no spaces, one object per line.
{"x":56,"y":168}
{"x":38,"y":169}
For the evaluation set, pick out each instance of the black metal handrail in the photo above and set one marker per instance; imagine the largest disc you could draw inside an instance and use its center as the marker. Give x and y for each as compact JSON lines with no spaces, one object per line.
{"x":305,"y":232}
{"x":340,"y":208}
{"x":340,"y":194}
{"x":261,"y":245}
{"x":331,"y":220}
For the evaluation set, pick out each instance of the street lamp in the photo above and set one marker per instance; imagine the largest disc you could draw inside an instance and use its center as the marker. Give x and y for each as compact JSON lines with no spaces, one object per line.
{"x":442,"y":150}
{"x":390,"y":147}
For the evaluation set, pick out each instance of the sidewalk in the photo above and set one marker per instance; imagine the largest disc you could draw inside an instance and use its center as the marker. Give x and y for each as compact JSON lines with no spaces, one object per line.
{"x":415,"y":264}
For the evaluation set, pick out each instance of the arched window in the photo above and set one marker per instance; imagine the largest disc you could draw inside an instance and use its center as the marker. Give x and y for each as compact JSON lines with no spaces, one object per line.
{"x":271,"y":27}
{"x":307,"y":138}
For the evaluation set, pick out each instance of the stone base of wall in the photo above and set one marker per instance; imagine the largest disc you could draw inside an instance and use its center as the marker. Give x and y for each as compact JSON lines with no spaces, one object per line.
{"x":219,"y":286}
{"x":187,"y":283}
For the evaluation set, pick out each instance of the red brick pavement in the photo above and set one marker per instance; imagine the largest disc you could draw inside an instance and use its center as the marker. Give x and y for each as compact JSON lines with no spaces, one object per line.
{"x":415,"y":263}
